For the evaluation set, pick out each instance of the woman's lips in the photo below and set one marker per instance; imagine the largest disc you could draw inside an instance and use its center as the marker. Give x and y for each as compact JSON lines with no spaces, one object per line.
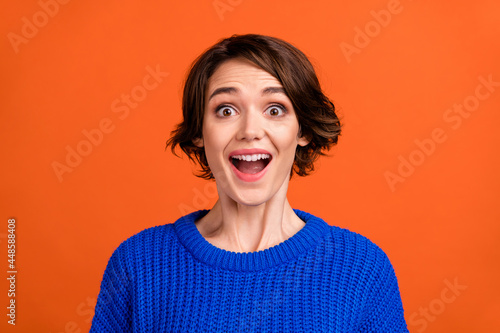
{"x":250,"y":165}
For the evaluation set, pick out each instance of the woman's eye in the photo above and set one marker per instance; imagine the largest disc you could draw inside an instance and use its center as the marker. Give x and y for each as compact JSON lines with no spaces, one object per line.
{"x":225,"y":111}
{"x":276,"y":110}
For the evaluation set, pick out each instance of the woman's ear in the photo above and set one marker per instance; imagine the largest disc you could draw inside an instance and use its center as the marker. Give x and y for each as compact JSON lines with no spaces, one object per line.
{"x":198,"y":142}
{"x":302,"y":140}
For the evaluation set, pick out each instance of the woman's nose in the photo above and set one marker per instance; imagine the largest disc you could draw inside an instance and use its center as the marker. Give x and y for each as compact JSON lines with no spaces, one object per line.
{"x":251,"y":126}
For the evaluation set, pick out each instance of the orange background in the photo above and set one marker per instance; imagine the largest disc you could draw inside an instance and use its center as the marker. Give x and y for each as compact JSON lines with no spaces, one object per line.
{"x":439,"y":222}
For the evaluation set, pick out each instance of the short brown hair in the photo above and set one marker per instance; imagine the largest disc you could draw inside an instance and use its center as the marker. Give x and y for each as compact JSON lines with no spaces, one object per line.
{"x":315,"y":112}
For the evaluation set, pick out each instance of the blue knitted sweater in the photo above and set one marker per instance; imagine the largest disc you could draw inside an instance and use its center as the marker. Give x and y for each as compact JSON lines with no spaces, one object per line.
{"x":322,"y":279}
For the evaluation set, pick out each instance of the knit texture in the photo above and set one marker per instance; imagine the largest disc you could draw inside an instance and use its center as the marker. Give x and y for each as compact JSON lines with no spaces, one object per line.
{"x":322,"y":279}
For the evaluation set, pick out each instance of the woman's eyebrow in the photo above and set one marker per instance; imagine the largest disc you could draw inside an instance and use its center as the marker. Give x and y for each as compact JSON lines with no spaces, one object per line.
{"x":273,"y":90}
{"x":223,"y":90}
{"x":233,"y":90}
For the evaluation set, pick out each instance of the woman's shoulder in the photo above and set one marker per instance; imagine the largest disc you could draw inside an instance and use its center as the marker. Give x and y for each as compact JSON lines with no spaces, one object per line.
{"x":353,"y":238}
{"x":362,"y":254}
{"x":146,"y":239}
{"x":157,"y":237}
{"x":353,"y":245}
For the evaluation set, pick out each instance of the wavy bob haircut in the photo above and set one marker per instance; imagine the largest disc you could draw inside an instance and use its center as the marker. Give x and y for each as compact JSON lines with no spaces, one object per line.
{"x":315,"y":112}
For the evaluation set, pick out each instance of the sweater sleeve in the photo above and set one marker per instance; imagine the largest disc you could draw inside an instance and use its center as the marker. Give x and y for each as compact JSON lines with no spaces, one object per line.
{"x":385,"y":309}
{"x":113,"y":310}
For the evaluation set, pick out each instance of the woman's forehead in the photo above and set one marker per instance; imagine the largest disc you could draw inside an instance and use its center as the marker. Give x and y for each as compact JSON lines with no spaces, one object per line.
{"x":240,"y":73}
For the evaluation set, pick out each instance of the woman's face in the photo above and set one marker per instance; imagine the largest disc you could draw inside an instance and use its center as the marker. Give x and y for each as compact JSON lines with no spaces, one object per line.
{"x":250,"y":133}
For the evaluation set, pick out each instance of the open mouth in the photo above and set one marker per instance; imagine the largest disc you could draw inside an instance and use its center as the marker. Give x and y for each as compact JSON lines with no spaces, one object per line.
{"x":250,"y":164}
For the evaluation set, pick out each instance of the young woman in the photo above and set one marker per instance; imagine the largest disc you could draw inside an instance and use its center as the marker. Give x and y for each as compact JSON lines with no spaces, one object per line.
{"x":254,"y":114}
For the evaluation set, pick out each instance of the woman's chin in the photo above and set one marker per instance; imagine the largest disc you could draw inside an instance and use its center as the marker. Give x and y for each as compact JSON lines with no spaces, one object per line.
{"x":250,"y":198}
{"x":263,"y":193}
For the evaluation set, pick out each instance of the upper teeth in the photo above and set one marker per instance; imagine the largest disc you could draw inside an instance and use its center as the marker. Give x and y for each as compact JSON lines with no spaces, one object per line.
{"x":253,"y":157}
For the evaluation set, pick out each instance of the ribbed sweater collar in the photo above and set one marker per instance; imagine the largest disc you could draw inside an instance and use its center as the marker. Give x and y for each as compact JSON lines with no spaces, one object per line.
{"x":306,"y":238}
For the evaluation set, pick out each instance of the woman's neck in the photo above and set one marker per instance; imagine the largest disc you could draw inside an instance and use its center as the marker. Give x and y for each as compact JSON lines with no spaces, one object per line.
{"x":239,"y":228}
